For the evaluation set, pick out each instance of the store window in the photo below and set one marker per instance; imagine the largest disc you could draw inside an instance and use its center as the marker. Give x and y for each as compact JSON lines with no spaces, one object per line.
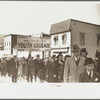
{"x":55,"y":40}
{"x":64,"y":39}
{"x":82,"y":38}
{"x":98,"y":39}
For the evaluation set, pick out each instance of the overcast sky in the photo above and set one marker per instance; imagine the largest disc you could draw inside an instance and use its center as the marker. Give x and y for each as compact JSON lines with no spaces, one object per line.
{"x":32,"y":17}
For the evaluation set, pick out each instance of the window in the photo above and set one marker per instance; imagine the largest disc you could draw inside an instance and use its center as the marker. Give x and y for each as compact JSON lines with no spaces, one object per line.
{"x":98,"y":39}
{"x":82,"y":39}
{"x":5,"y":43}
{"x":55,"y":40}
{"x":9,"y":43}
{"x":64,"y":39}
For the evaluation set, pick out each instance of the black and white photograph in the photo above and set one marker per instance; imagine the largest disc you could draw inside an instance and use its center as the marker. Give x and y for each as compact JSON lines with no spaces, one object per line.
{"x":53,"y":43}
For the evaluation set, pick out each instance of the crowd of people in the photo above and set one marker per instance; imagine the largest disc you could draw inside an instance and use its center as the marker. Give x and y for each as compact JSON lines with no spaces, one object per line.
{"x":58,"y":69}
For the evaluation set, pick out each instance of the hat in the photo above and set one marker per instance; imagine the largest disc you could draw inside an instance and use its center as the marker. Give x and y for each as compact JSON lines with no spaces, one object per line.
{"x":38,"y":55}
{"x":84,"y":50}
{"x":88,"y":61}
{"x":75,"y":48}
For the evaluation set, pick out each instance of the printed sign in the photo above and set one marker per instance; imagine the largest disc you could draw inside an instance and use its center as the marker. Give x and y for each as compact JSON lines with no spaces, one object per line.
{"x":32,"y":43}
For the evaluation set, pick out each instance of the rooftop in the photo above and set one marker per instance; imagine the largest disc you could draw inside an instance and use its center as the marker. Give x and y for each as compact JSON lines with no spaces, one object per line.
{"x":64,"y":26}
{"x":16,"y":35}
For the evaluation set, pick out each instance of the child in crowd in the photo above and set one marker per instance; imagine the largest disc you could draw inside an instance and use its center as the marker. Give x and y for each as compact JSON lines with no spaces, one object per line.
{"x":89,"y":75}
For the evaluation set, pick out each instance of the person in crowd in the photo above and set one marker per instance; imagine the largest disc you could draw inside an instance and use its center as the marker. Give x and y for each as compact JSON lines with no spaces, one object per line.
{"x":97,"y":61}
{"x":50,"y":71}
{"x":25,"y":77}
{"x":14,"y":65}
{"x":54,"y":57}
{"x":89,"y":75}
{"x":60,"y":68}
{"x":74,"y":66}
{"x":20,"y":69}
{"x":56,"y":69}
{"x":42,"y":70}
{"x":30,"y":69}
{"x":0,"y":66}
{"x":9,"y":66}
{"x":36,"y":68}
{"x":83,"y":52}
{"x":23,"y":67}
{"x":3,"y":67}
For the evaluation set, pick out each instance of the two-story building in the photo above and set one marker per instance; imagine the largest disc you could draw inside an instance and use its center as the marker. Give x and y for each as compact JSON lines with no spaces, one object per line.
{"x":71,"y":32}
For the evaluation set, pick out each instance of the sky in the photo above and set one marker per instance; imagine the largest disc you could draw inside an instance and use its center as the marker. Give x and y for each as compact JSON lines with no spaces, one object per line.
{"x":33,"y":17}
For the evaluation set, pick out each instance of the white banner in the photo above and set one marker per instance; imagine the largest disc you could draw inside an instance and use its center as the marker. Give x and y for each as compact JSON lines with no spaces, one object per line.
{"x":32,"y":43}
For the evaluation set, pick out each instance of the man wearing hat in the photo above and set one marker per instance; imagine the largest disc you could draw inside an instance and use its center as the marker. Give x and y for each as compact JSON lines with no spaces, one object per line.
{"x":83,"y":52}
{"x":36,"y":68}
{"x":89,"y":75}
{"x":74,"y":66}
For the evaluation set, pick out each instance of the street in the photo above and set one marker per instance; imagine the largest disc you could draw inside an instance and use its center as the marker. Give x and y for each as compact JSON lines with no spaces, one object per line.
{"x":8,"y":79}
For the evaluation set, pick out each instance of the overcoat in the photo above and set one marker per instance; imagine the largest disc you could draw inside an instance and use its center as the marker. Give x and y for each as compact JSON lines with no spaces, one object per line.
{"x":85,"y":78}
{"x":72,"y":71}
{"x":50,"y":71}
{"x":30,"y":66}
{"x":42,"y":71}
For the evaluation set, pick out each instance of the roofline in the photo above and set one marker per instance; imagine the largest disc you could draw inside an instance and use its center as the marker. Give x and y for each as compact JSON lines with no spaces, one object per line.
{"x":46,"y":34}
{"x":60,"y":32}
{"x":15,"y":34}
{"x":77,"y":21}
{"x":85,"y":22}
{"x":60,"y":22}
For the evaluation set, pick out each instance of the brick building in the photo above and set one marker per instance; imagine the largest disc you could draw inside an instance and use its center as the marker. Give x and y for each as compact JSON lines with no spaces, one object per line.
{"x":71,"y":32}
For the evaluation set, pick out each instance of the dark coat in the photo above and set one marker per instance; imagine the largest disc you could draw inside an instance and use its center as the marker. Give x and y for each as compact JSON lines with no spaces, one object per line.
{"x":14,"y":64}
{"x":57,"y":66}
{"x":61,"y":72}
{"x":85,"y":78}
{"x":36,"y":68}
{"x":50,"y":71}
{"x":42,"y":71}
{"x":98,"y":65}
{"x":30,"y":66}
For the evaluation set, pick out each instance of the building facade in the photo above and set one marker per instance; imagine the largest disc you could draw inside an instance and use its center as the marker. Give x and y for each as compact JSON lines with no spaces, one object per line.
{"x":73,"y":32}
{"x":10,"y":47}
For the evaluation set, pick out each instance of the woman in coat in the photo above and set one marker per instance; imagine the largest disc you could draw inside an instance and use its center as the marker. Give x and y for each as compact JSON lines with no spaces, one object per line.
{"x":42,"y":70}
{"x":50,"y":72}
{"x":30,"y":69}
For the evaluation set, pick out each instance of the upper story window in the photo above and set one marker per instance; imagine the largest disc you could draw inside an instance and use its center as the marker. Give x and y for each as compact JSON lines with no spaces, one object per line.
{"x":55,"y":40}
{"x":5,"y":43}
{"x":64,"y":39}
{"x":9,"y":43}
{"x":82,"y":38}
{"x":98,"y":39}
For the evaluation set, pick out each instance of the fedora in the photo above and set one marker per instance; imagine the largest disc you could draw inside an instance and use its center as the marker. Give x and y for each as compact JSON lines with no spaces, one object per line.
{"x":88,"y":61}
{"x":75,"y":48}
